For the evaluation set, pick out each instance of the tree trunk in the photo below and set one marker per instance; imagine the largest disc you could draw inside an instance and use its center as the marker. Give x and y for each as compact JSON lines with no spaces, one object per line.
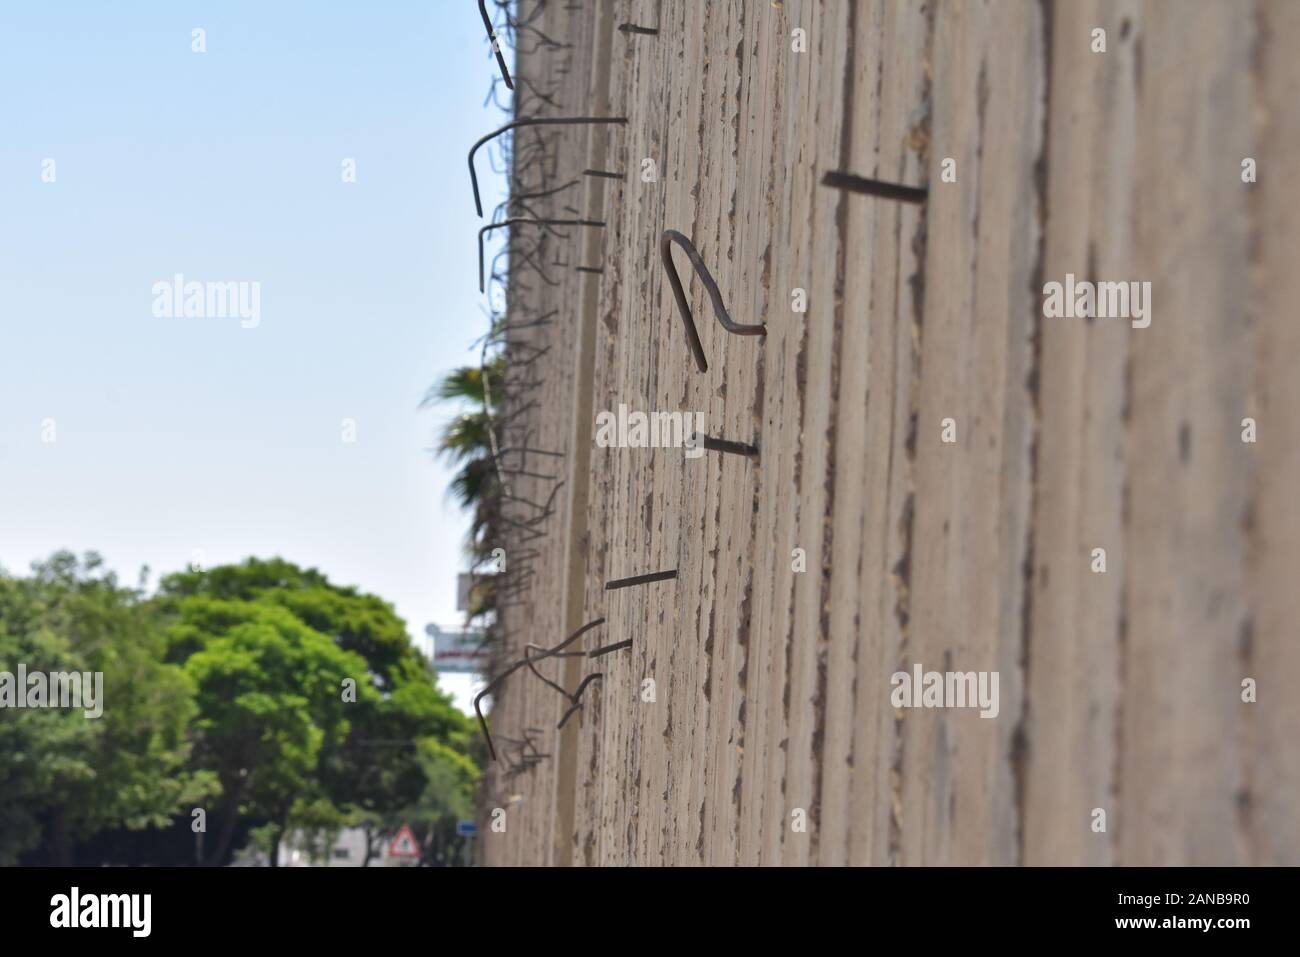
{"x":229,"y":815}
{"x":60,"y":853}
{"x":370,"y":847}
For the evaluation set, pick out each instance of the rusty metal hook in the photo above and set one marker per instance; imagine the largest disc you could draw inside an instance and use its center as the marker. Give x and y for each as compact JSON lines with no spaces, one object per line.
{"x":545,"y":680}
{"x":530,"y":222}
{"x":496,"y":682}
{"x":669,"y":237}
{"x":530,"y":121}
{"x":577,"y":698}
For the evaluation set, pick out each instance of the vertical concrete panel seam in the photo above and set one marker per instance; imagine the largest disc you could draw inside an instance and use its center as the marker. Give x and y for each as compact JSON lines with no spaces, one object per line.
{"x":901,"y":570}
{"x":1021,"y":754}
{"x":832,"y":420}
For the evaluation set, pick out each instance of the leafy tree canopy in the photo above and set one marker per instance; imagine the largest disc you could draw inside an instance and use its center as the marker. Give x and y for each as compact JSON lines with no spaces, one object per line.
{"x":260,"y":693}
{"x":311,"y":695}
{"x":71,"y":775}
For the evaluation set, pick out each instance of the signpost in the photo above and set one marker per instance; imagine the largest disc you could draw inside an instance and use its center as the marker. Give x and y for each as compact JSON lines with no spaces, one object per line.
{"x":458,"y":651}
{"x":404,"y":846}
{"x":468,"y":830}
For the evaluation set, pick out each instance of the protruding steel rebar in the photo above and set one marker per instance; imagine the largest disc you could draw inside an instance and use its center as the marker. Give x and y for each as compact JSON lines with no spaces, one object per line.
{"x":496,"y":44}
{"x":527,"y":85}
{"x":528,"y":533}
{"x":609,"y":649}
{"x":524,"y":662}
{"x":525,"y":743}
{"x":641,"y":579}
{"x":517,"y":411}
{"x":536,"y":354}
{"x":525,"y":449}
{"x":541,"y":193}
{"x":527,"y":259}
{"x":533,"y":668}
{"x":669,"y":237}
{"x":577,"y":698}
{"x":530,"y":121}
{"x":874,"y":187}
{"x":530,"y":222}
{"x":524,"y":473}
{"x":734,"y":448}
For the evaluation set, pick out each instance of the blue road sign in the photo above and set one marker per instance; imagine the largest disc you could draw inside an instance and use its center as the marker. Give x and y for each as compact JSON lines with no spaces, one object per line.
{"x":466,"y":828}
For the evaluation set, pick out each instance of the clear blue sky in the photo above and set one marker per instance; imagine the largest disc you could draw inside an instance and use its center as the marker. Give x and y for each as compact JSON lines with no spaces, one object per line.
{"x":175,"y":435}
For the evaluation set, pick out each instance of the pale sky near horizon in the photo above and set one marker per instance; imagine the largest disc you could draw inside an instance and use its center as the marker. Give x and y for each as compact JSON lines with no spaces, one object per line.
{"x":184,"y":437}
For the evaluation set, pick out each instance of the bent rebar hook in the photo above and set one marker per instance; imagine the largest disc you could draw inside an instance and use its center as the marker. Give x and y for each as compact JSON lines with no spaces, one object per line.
{"x":496,"y":44}
{"x":524,"y":662}
{"x":669,"y":237}
{"x":532,"y":222}
{"x":529,"y":121}
{"x":577,"y":698}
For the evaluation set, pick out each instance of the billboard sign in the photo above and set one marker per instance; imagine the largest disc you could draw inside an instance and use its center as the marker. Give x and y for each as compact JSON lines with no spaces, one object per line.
{"x":458,"y":651}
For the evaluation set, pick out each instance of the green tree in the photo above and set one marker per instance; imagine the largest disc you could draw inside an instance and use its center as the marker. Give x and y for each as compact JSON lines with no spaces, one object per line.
{"x":467,"y":444}
{"x":270,"y":647}
{"x":269,"y":701}
{"x":65,"y":776}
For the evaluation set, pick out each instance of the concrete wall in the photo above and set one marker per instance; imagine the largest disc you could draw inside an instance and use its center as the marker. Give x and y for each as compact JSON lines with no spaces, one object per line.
{"x":1120,"y":691}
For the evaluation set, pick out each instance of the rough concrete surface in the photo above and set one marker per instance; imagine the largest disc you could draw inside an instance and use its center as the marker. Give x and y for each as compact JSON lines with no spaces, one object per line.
{"x":1119,"y":691}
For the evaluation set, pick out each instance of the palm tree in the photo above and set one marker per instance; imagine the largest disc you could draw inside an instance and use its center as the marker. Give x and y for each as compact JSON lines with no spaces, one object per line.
{"x":466,"y":442}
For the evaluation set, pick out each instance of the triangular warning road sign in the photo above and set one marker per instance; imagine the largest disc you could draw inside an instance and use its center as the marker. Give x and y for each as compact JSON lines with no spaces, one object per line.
{"x":404,"y":844}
